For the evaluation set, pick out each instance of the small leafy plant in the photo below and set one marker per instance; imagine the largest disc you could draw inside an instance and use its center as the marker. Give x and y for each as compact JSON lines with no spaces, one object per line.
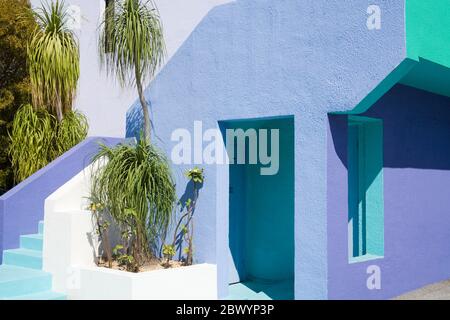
{"x":168,"y":252}
{"x":196,"y":175}
{"x":102,"y":222}
{"x":184,"y":230}
{"x":125,"y":259}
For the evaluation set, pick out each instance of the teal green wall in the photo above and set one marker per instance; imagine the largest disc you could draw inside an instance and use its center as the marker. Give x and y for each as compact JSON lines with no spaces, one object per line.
{"x":428,"y":43}
{"x":428,"y":30}
{"x":261,"y":224}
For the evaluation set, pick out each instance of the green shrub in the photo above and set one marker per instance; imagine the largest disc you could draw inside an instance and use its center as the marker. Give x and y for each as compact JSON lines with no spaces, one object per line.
{"x":137,"y":188}
{"x":70,"y":131}
{"x":37,"y":139}
{"x":16,"y":26}
{"x":31,"y":141}
{"x":42,"y":132}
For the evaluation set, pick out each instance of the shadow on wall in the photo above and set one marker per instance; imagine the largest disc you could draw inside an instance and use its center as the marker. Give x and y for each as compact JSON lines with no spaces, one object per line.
{"x":365,"y":184}
{"x":134,"y":121}
{"x":416,"y":129}
{"x":415,"y":126}
{"x":416,"y":138}
{"x":189,"y":194}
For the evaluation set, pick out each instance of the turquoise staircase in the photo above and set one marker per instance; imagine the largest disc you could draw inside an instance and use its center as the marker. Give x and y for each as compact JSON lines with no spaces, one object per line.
{"x":21,"y":275}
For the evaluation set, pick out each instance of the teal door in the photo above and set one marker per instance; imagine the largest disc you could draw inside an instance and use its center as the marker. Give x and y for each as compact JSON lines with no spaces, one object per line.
{"x":261,"y":212}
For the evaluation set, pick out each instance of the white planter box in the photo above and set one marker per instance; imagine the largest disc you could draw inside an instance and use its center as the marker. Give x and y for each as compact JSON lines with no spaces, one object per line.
{"x":70,"y":249}
{"x":183,"y":283}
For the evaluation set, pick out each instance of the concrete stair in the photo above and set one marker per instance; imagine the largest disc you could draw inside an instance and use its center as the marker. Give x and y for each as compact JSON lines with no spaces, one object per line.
{"x":21,"y":275}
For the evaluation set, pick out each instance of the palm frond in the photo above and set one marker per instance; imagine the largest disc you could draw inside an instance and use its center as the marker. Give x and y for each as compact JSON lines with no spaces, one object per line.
{"x":131,"y":41}
{"x":137,"y":178}
{"x":70,"y":131}
{"x":53,"y":59}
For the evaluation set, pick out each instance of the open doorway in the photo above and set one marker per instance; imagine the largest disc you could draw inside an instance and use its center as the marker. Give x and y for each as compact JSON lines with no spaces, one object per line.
{"x":261,"y":208}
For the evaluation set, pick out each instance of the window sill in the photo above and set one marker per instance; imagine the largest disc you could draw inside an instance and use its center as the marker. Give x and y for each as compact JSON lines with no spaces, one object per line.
{"x":364,"y":258}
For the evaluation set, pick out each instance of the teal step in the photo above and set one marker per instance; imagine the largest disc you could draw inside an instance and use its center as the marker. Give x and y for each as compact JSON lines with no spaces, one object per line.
{"x":262,"y":290}
{"x":32,"y":241}
{"x":23,"y":258}
{"x":21,"y":275}
{"x":43,"y":295}
{"x":17,"y":281}
{"x":41,"y":227}
{"x":239,"y":291}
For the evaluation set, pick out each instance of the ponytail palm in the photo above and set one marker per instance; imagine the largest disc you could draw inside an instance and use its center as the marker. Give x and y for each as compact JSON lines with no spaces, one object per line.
{"x":136,"y":186}
{"x":53,"y":58}
{"x":132,"y":46}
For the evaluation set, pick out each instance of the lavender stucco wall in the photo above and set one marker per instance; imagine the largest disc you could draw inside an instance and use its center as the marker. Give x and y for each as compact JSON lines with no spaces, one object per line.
{"x":416,"y":197}
{"x":265,"y":58}
{"x":22,"y":207}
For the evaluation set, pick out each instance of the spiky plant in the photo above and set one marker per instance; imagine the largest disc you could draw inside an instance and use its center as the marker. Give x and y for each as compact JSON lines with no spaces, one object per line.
{"x":131,"y":46}
{"x":31,"y":141}
{"x":138,"y":190}
{"x":37,"y":139}
{"x":54,"y":60}
{"x":70,"y":131}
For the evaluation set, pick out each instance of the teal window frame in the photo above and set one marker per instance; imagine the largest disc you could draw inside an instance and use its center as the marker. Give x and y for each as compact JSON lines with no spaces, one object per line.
{"x":365,"y":189}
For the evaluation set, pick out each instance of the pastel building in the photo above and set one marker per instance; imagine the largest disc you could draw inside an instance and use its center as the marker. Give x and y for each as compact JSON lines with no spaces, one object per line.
{"x":358,"y":93}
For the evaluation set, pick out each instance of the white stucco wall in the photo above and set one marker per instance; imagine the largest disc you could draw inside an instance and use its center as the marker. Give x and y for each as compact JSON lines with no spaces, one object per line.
{"x":196,"y":282}
{"x":100,"y":98}
{"x":69,"y":236}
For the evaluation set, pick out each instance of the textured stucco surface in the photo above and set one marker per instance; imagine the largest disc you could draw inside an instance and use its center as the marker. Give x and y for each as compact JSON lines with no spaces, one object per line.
{"x":416,"y":202}
{"x":251,"y":59}
{"x":427,"y":28}
{"x":428,"y":44}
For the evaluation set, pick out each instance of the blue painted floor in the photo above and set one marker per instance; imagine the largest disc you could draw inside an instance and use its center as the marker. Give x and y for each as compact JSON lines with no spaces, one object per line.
{"x":21,"y":275}
{"x":254,"y":290}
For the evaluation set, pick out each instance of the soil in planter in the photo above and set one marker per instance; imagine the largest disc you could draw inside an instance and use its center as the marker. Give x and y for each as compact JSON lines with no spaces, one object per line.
{"x":154,"y":264}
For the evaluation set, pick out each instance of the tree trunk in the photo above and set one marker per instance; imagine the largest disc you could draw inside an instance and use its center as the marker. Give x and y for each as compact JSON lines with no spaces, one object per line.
{"x":59,"y":112}
{"x":147,"y":123}
{"x":190,"y":256}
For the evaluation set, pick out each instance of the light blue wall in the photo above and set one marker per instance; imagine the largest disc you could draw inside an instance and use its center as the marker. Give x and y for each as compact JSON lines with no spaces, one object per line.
{"x":251,"y":59}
